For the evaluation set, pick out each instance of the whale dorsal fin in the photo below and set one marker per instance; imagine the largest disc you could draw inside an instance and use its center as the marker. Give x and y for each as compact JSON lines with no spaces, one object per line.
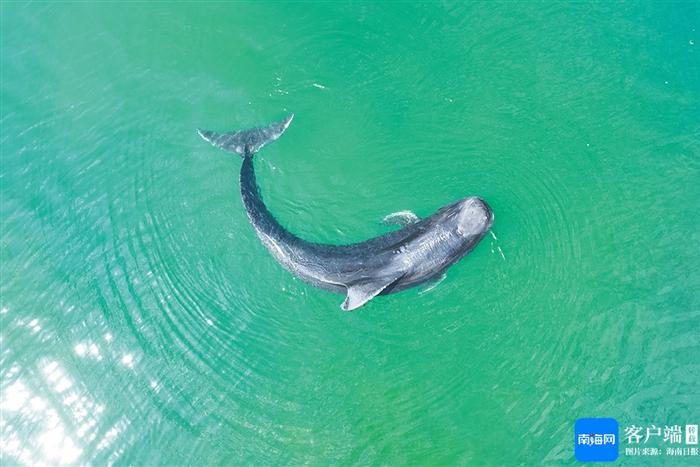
{"x":402,"y":218}
{"x":363,"y":291}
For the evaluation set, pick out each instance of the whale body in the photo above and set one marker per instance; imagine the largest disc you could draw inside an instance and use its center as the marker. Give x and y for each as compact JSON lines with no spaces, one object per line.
{"x":417,"y":253}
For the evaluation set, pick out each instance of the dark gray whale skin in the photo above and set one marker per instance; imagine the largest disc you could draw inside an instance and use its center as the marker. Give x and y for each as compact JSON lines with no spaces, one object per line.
{"x":417,"y":253}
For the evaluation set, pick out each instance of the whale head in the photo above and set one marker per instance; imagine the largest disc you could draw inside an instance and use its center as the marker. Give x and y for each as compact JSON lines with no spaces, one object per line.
{"x":474,"y":217}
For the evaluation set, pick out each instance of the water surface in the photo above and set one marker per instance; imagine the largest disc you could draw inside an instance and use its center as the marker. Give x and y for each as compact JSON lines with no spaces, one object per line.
{"x":144,"y":323}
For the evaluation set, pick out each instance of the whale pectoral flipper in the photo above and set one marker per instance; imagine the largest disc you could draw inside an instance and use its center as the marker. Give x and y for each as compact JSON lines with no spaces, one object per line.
{"x":362,"y":292}
{"x":434,"y":283}
{"x":402,"y":218}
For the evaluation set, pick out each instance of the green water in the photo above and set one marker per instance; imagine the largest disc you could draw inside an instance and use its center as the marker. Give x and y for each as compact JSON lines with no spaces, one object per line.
{"x":144,"y":323}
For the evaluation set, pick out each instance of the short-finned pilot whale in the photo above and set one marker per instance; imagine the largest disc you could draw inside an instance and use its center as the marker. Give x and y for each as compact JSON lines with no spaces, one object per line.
{"x":417,"y":253}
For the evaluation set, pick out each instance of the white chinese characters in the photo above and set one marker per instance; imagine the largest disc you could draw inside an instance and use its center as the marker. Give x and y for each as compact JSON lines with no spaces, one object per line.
{"x":596,"y":439}
{"x":671,"y":436}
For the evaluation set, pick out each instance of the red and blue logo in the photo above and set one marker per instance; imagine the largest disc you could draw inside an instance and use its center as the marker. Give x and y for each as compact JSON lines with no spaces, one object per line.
{"x":596,"y":439}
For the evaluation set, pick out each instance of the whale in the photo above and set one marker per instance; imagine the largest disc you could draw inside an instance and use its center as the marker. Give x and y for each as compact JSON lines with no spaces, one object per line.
{"x":419,"y":251}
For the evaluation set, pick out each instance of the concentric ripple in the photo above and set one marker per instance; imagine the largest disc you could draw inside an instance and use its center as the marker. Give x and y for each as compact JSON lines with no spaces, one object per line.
{"x":142,"y":322}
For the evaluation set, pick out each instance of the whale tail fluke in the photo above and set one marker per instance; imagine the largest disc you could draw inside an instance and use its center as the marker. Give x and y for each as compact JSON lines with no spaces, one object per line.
{"x":247,"y":142}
